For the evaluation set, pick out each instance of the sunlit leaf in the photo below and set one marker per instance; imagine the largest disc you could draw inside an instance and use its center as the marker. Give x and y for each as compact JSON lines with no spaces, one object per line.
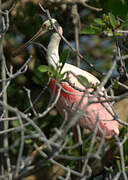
{"x":28,"y":141}
{"x":84,"y":80}
{"x":44,"y":68}
{"x":117,"y":157}
{"x":90,"y":30}
{"x":51,"y":72}
{"x":99,"y":21}
{"x":113,"y":20}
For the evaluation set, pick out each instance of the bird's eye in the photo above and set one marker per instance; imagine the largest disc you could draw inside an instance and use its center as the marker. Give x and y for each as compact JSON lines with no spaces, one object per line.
{"x":44,"y":26}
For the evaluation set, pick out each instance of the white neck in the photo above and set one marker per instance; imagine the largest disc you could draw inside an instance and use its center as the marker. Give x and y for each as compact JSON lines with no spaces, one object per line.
{"x":52,"y":50}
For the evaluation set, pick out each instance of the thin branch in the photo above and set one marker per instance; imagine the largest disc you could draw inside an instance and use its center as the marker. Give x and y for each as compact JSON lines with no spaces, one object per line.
{"x":52,"y":105}
{"x":22,"y":70}
{"x":109,"y":74}
{"x":120,"y":145}
{"x":18,"y":164}
{"x":90,"y":148}
{"x":76,"y":22}
{"x":15,"y":110}
{"x":30,"y":101}
{"x":4,"y":138}
{"x":92,"y":7}
{"x":72,"y":2}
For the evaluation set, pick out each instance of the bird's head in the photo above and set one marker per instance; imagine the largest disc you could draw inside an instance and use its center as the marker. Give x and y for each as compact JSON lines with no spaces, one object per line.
{"x":47,"y":26}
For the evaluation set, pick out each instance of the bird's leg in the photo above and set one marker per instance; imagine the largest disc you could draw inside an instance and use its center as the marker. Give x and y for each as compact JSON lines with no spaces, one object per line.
{"x":79,"y":150}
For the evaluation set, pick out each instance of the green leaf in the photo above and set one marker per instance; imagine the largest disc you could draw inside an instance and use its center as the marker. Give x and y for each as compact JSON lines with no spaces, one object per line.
{"x":15,"y":123}
{"x":114,"y":83}
{"x":83,"y":80}
{"x":64,"y":56}
{"x":28,"y":141}
{"x":115,"y":86}
{"x":99,"y":21}
{"x":90,"y":30}
{"x":118,"y":165}
{"x":60,"y":76}
{"x":44,"y":68}
{"x":124,"y":24}
{"x":51,"y":71}
{"x":113,"y":20}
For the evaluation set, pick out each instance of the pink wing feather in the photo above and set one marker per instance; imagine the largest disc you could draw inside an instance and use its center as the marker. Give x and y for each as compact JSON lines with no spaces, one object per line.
{"x":69,"y":100}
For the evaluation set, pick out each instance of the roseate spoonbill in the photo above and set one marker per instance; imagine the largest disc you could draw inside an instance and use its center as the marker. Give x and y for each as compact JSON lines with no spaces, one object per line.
{"x":70,"y":97}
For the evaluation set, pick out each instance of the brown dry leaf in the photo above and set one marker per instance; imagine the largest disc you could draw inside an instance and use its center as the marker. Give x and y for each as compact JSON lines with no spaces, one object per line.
{"x":121,"y":109}
{"x":47,"y":173}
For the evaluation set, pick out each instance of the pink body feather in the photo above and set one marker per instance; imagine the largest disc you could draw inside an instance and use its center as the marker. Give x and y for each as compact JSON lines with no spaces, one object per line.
{"x":94,"y":111}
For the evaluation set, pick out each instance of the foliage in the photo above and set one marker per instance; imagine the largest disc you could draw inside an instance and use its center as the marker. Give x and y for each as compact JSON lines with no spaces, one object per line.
{"x":54,"y":72}
{"x":108,"y":24}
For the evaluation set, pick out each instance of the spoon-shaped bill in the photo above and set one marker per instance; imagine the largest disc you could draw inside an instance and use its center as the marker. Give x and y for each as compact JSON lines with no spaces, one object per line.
{"x":37,"y":35}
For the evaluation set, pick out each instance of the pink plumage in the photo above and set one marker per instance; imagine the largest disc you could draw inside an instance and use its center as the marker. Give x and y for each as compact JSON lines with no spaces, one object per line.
{"x":70,"y":97}
{"x":69,"y":100}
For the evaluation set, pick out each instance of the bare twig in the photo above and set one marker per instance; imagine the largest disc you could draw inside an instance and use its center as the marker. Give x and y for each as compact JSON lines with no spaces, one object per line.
{"x":70,"y":2}
{"x":52,"y":105}
{"x":120,"y":145}
{"x":4,"y":139}
{"x":91,"y":7}
{"x":30,"y":101}
{"x":76,"y":22}
{"x":22,"y":70}
{"x":19,"y":159}
{"x":90,"y":149}
{"x":109,"y":74}
{"x":122,"y":68}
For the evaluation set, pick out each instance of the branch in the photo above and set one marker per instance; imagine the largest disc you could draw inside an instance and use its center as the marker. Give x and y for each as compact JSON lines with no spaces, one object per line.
{"x":4,"y":125}
{"x":76,"y":22}
{"x":74,"y":2}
